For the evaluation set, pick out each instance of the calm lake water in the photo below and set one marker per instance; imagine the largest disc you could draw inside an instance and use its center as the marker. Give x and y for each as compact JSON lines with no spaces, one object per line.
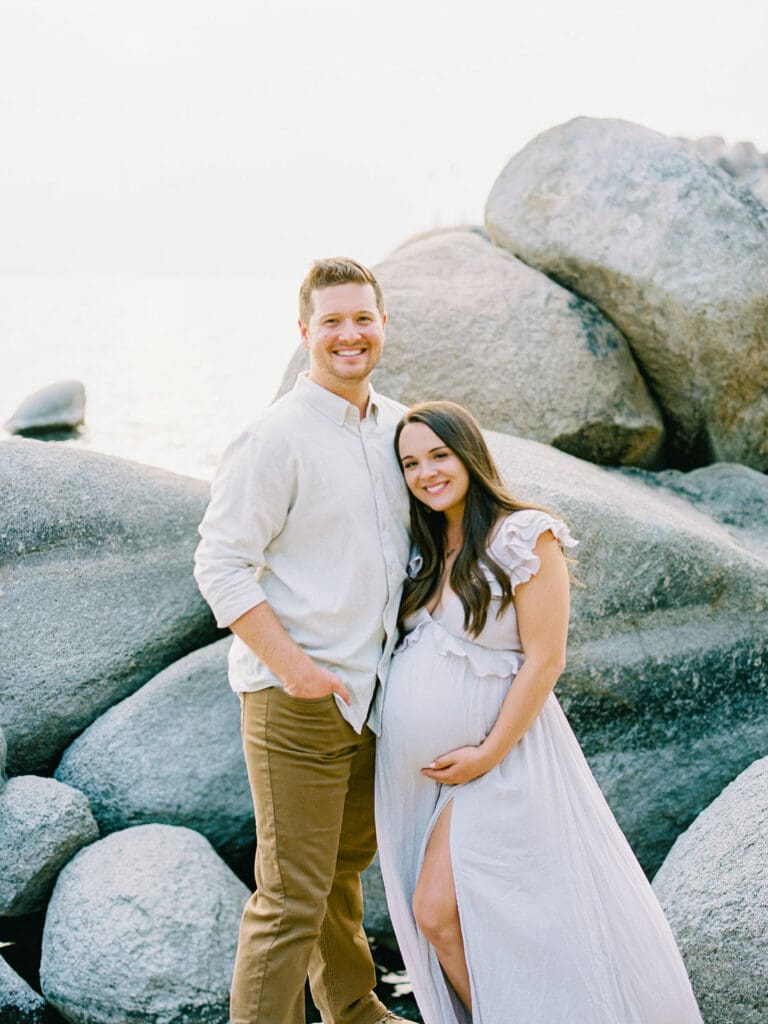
{"x":174,"y":366}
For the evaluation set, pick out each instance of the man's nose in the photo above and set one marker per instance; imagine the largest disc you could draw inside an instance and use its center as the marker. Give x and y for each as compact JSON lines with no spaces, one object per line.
{"x":348,"y":329}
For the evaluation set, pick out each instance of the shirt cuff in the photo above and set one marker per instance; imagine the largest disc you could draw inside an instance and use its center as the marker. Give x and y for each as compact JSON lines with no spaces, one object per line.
{"x":239,"y":598}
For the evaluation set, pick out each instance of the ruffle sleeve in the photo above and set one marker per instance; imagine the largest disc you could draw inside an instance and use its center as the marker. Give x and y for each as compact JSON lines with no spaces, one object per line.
{"x":516,"y":538}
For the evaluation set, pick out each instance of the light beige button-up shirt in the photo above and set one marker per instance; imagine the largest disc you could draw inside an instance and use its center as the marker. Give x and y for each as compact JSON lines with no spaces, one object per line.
{"x":309,"y":512}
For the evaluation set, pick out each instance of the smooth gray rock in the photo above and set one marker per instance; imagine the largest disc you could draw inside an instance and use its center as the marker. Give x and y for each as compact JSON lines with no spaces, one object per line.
{"x":59,"y":406}
{"x":741,"y":159}
{"x":733,"y":495}
{"x":171,"y":753}
{"x":142,"y":927}
{"x":19,"y":1003}
{"x":43,"y":824}
{"x":470,"y":323}
{"x":3,"y":757}
{"x":713,"y":886}
{"x":673,"y":251}
{"x":96,"y":588}
{"x":668,"y":656}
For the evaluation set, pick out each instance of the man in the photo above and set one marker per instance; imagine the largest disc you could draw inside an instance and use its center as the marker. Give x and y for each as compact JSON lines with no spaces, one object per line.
{"x":303,"y":554}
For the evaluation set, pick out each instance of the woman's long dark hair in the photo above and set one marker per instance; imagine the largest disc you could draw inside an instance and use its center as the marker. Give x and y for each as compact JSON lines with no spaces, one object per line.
{"x":486,"y":501}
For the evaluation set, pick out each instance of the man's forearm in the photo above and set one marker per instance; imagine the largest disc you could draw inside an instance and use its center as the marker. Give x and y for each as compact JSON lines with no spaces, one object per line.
{"x":263,"y":632}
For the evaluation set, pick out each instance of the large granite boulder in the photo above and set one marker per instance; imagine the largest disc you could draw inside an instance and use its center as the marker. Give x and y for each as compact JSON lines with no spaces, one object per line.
{"x":19,"y":1003}
{"x":668,"y":656}
{"x":470,"y":323}
{"x":43,"y":824}
{"x":171,"y":753}
{"x":673,"y":252}
{"x":96,"y":587}
{"x":142,"y":926}
{"x":730,"y":493}
{"x":59,"y":406}
{"x":713,"y":886}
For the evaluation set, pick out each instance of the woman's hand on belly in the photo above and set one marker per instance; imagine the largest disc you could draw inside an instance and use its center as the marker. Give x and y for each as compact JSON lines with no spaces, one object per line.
{"x":458,"y":766}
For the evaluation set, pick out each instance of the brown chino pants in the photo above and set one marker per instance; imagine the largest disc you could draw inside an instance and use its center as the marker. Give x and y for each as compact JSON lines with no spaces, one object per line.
{"x":311,"y":777}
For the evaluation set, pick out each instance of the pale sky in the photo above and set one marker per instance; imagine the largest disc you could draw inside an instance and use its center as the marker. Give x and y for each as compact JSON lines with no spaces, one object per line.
{"x":231,"y":136}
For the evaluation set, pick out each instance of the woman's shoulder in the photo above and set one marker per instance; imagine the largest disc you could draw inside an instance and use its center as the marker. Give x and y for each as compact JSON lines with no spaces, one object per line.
{"x":515,"y":536}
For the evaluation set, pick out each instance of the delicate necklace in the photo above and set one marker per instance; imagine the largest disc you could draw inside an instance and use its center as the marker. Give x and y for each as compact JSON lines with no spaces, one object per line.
{"x":455,"y":547}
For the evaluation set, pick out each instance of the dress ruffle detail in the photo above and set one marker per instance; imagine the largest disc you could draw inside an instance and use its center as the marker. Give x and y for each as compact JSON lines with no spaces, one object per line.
{"x":483,"y":661}
{"x":516,"y":538}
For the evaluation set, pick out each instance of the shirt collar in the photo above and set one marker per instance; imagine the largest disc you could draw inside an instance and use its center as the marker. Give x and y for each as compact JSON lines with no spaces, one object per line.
{"x":333,"y":406}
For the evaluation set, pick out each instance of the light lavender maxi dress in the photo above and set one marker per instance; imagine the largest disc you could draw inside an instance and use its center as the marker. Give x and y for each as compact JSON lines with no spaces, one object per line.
{"x":560,"y":924}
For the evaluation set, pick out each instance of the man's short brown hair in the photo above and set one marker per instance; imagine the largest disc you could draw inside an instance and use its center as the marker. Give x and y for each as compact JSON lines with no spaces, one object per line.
{"x":337,"y":270}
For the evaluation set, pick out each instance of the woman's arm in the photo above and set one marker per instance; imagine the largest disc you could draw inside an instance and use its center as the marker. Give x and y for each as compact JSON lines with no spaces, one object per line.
{"x":542,"y":606}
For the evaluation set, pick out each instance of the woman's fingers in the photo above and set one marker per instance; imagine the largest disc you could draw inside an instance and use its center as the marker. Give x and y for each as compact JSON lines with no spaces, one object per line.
{"x":456,"y":767}
{"x":443,"y":761}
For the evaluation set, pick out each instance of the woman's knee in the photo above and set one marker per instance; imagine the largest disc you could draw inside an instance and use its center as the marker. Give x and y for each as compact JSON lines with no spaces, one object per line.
{"x":436,"y":916}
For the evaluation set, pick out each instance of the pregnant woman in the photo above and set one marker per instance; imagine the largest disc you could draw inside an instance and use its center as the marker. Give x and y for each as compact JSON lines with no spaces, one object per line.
{"x":514,"y":895}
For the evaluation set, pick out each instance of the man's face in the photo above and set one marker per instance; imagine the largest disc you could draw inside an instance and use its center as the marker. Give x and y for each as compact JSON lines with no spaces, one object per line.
{"x":344,"y":336}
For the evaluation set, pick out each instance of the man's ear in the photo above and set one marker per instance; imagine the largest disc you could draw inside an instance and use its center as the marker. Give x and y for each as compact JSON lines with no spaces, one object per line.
{"x":304,"y":332}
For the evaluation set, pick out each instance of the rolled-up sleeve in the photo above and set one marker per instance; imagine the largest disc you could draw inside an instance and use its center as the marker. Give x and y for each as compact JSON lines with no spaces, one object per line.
{"x":250,"y":498}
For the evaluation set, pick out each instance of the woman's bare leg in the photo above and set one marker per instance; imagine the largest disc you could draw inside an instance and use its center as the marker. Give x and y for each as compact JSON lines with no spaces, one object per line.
{"x":436,"y":910}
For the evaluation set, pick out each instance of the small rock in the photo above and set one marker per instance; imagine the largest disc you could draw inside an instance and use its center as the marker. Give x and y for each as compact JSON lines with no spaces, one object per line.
{"x":741,"y":160}
{"x":171,"y":753}
{"x":709,"y":147}
{"x":142,"y":926}
{"x":19,"y":1003}
{"x":713,"y":887}
{"x":60,"y":406}
{"x":43,"y":824}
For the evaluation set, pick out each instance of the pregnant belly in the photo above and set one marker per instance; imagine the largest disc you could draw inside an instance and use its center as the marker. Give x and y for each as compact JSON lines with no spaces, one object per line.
{"x":433,"y":703}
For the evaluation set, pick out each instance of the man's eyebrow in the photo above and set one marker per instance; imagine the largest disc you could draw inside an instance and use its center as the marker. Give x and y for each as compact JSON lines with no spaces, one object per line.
{"x":368,"y":312}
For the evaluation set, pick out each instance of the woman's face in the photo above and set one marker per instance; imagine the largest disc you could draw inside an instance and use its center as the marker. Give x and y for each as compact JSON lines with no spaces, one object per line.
{"x":434,"y":474}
